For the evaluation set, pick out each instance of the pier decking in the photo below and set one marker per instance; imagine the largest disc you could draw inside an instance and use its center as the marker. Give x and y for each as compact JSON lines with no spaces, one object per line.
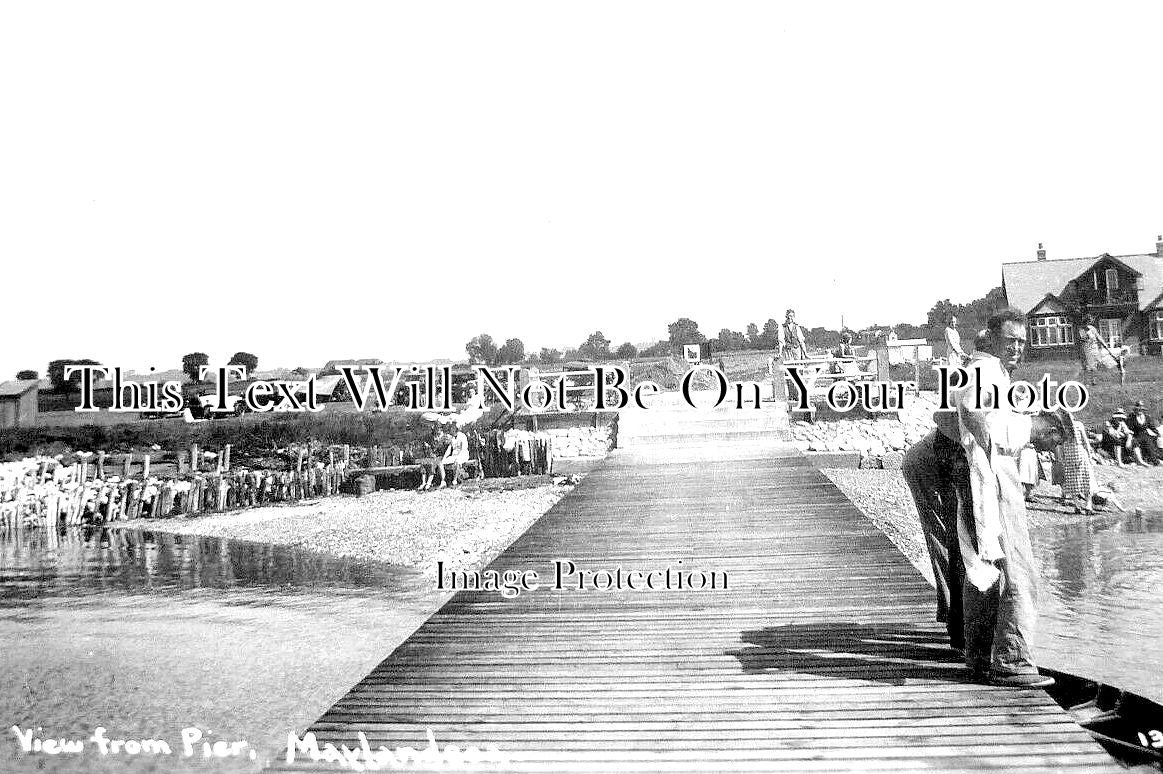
{"x":820,"y":655}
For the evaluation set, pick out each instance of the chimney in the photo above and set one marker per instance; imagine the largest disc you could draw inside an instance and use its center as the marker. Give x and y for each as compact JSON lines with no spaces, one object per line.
{"x":1042,"y":251}
{"x":1159,"y":245}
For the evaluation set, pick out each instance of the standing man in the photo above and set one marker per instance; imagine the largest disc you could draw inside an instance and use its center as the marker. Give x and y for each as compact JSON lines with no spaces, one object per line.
{"x":999,"y":590}
{"x":793,"y":339}
{"x":955,"y":354}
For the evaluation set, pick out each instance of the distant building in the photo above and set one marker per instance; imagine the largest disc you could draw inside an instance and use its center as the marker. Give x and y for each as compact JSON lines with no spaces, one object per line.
{"x":332,"y":366}
{"x":18,"y":403}
{"x":1123,"y":292}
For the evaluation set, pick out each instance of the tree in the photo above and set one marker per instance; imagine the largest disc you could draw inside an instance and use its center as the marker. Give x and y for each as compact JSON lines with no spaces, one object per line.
{"x":769,"y":339}
{"x":626,"y":352}
{"x":729,"y":340}
{"x":753,"y":341}
{"x":971,"y":317}
{"x":657,"y":349}
{"x":823,"y":337}
{"x":481,"y":349}
{"x":249,"y":361}
{"x":512,"y":351}
{"x":27,"y":374}
{"x":549,"y":355}
{"x":684,"y":330}
{"x":56,"y":373}
{"x":192,"y":362}
{"x":910,"y":331}
{"x":595,"y":347}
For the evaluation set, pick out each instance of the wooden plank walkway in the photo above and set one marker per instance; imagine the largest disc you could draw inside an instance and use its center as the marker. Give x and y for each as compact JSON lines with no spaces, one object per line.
{"x":820,"y":655}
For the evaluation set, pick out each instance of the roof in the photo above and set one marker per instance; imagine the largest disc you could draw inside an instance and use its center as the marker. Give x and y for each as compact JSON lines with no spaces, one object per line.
{"x":333,"y":365}
{"x":17,"y":387}
{"x":1027,"y":283}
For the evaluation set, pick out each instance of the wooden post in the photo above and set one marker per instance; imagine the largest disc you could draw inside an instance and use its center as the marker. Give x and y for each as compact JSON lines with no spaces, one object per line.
{"x":195,"y":458}
{"x":347,"y":454}
{"x":101,"y":465}
{"x":226,"y":458}
{"x":127,"y":465}
{"x":183,"y":465}
{"x":145,"y":467}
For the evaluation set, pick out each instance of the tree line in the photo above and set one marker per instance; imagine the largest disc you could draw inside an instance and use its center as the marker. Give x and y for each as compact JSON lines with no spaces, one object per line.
{"x":971,"y":317}
{"x":483,"y":349}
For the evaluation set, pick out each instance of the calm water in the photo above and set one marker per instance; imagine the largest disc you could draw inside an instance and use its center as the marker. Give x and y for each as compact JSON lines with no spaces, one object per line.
{"x":1102,"y":601}
{"x":151,"y":635}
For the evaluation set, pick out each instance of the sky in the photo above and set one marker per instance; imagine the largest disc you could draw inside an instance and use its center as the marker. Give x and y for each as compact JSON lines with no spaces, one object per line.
{"x":310,"y":181}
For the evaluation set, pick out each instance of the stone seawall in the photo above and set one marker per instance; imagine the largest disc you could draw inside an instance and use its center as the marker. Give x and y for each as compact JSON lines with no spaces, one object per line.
{"x":570,"y":442}
{"x":881,"y":442}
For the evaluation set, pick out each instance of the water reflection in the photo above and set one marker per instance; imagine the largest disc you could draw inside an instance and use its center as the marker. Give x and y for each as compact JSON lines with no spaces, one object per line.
{"x":1101,"y":604}
{"x":77,"y":562}
{"x":148,"y":633}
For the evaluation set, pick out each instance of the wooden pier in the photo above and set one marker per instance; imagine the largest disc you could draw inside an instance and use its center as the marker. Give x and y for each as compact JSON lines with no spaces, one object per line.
{"x":820,"y":655}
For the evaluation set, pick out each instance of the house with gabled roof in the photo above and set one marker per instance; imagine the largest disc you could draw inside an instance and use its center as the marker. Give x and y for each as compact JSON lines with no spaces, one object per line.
{"x":1124,"y":293}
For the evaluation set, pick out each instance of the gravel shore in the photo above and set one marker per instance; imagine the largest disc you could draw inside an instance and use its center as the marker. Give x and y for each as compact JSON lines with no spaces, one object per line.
{"x":466,"y":529}
{"x":884,"y":497}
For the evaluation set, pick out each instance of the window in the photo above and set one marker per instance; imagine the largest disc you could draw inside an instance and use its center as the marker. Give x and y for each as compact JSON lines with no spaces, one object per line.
{"x":1051,"y":331}
{"x":1157,"y":324}
{"x":1111,"y":332}
{"x":1112,"y":280}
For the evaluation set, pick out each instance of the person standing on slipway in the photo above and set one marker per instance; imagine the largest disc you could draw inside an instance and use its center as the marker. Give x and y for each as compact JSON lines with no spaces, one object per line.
{"x":999,"y":589}
{"x":793,"y":338}
{"x":954,"y":353}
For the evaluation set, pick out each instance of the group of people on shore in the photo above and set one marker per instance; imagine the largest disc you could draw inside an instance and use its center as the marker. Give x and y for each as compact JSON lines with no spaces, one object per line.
{"x":1130,"y":436}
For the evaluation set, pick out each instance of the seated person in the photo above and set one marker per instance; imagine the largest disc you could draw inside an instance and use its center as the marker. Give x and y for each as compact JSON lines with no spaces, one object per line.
{"x":456,"y":455}
{"x":433,"y":451}
{"x":845,"y":349}
{"x":1116,"y":437}
{"x":844,"y":352}
{"x":1144,"y":436}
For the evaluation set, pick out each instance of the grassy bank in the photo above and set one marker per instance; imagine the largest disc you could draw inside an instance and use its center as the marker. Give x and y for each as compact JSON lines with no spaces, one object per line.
{"x":1144,"y":381}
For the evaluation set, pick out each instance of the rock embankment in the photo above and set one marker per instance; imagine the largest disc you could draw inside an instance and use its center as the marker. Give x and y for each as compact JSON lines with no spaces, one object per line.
{"x":571,"y":442}
{"x":881,"y":442}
